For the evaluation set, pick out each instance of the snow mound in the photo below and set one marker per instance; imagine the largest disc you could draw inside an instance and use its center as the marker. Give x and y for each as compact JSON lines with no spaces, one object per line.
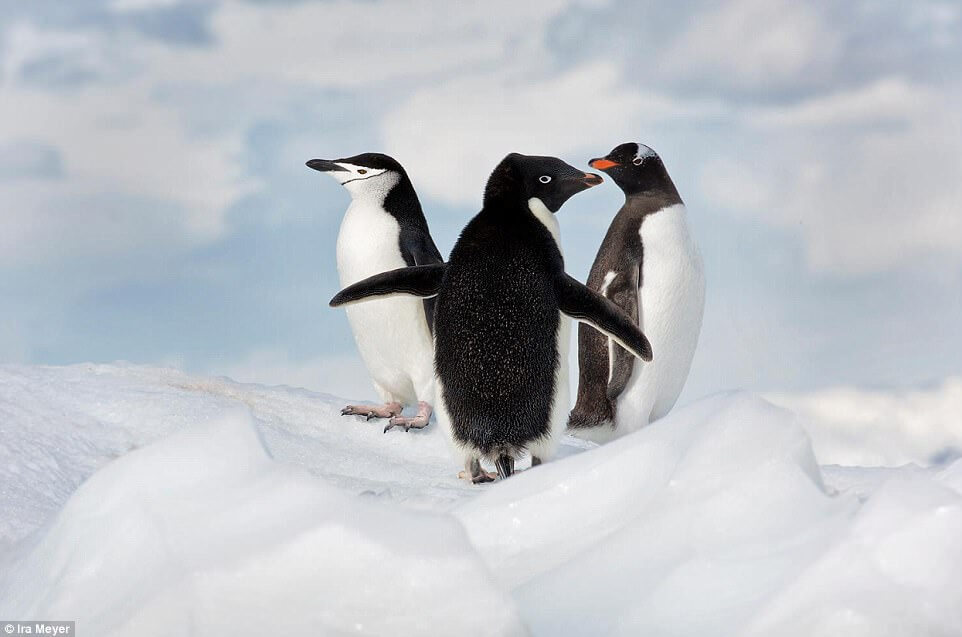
{"x":211,"y":507}
{"x":715,"y":521}
{"x":60,"y":424}
{"x":204,"y":534}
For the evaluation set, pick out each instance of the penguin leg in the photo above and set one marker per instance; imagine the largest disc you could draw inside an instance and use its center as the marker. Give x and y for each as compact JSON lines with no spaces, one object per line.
{"x":474,"y":472}
{"x":387,"y":410}
{"x":535,"y":461}
{"x":417,"y":422}
{"x":505,"y":465}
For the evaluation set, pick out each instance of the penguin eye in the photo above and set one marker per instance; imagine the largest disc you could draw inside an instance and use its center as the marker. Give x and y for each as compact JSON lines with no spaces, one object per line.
{"x":637,"y":161}
{"x":361,"y":171}
{"x":544,"y":179}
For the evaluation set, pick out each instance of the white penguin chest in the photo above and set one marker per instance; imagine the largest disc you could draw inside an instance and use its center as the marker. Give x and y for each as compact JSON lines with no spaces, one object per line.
{"x":392,"y":334}
{"x":367,"y":242}
{"x":671,"y":305}
{"x":670,"y":258}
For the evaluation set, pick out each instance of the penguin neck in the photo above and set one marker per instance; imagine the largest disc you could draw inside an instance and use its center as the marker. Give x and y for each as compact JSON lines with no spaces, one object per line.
{"x":655,"y":192}
{"x":649,"y":201}
{"x":402,"y":201}
{"x":522,"y":217}
{"x":547,"y":218}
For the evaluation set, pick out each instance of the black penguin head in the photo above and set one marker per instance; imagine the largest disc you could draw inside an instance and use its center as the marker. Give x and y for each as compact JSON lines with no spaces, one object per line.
{"x":361,"y":174}
{"x":521,"y":178}
{"x":634,"y":167}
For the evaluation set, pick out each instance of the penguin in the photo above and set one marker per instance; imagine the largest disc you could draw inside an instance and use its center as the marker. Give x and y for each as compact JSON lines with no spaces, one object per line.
{"x":384,"y":228}
{"x":650,"y":267}
{"x":502,"y":301}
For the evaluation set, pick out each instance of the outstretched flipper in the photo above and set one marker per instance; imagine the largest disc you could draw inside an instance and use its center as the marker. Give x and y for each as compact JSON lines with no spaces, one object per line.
{"x":582,"y":304}
{"x":417,"y":248}
{"x":623,"y":292}
{"x":420,"y":280}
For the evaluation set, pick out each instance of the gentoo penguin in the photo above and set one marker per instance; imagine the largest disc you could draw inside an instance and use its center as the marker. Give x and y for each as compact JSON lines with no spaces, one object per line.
{"x":500,"y":344}
{"x":649,"y":266}
{"x":384,"y":228}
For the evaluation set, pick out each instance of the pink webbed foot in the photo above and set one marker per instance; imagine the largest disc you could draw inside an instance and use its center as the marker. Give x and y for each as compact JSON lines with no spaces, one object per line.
{"x":388,"y":410}
{"x":474,"y":473}
{"x":420,"y":421}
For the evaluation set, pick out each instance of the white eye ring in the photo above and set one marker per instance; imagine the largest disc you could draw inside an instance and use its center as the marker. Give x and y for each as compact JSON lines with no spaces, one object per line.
{"x":637,"y":161}
{"x":544,"y":179}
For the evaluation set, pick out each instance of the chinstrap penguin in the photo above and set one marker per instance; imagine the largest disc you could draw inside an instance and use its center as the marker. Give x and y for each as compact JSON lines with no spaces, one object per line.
{"x":384,"y":228}
{"x":500,"y":338}
{"x":650,"y":267}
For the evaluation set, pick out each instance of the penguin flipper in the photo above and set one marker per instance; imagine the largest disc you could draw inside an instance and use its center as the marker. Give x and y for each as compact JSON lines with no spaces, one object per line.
{"x":583,"y":304}
{"x":417,"y":248}
{"x":623,"y":293}
{"x":420,"y":280}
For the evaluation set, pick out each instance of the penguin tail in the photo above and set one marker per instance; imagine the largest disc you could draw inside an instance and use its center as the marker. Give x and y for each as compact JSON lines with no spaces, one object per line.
{"x":505,"y":465}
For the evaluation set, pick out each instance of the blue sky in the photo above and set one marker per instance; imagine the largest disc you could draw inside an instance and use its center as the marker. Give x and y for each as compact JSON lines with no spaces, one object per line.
{"x":155,"y":206}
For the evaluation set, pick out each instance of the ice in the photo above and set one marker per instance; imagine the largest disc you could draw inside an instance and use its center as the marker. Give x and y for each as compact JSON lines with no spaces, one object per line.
{"x":203,"y":533}
{"x":210,"y":507}
{"x":717,"y":505}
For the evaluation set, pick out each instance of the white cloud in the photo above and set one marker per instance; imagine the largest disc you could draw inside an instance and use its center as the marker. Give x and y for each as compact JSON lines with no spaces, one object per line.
{"x":850,"y":426}
{"x":870,"y":177}
{"x":117,"y":138}
{"x":753,"y":43}
{"x":451,"y":135}
{"x":140,"y":5}
{"x":114,"y":140}
{"x":736,"y":185}
{"x":459,"y":89}
{"x":359,"y":44}
{"x":888,"y":100}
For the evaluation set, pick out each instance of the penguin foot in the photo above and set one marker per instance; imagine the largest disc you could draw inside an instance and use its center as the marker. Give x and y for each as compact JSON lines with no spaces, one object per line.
{"x":417,"y":422}
{"x":481,"y":478}
{"x":388,"y":410}
{"x":474,"y":473}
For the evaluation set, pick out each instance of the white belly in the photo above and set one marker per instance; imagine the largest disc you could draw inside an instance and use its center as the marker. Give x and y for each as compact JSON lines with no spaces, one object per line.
{"x":392,"y":334}
{"x":671,"y":306}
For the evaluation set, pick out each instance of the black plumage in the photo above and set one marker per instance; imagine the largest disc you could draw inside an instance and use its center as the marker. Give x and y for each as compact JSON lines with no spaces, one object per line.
{"x":497,"y":311}
{"x":648,"y":189}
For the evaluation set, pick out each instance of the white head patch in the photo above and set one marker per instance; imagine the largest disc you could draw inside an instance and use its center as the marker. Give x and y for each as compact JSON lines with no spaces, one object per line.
{"x":364,"y":181}
{"x":643,"y":153}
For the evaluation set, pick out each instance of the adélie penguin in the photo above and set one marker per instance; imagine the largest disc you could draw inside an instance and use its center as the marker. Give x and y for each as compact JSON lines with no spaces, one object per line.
{"x":384,"y":228}
{"x":650,"y":267}
{"x":500,"y":339}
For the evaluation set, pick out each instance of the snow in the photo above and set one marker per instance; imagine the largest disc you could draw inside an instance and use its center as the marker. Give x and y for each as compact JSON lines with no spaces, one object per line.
{"x":851,"y":426}
{"x":143,"y":501}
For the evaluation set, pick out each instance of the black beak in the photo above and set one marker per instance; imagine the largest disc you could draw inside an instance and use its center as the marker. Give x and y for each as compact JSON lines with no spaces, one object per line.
{"x":324,"y":165}
{"x":592,"y":179}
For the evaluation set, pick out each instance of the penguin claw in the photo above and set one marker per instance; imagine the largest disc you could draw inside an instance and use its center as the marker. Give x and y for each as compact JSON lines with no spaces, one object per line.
{"x":417,"y":422}
{"x":408,"y":423}
{"x":371,"y":412}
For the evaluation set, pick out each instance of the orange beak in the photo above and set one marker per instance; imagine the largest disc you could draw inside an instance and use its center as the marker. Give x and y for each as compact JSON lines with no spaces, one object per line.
{"x":602,"y":164}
